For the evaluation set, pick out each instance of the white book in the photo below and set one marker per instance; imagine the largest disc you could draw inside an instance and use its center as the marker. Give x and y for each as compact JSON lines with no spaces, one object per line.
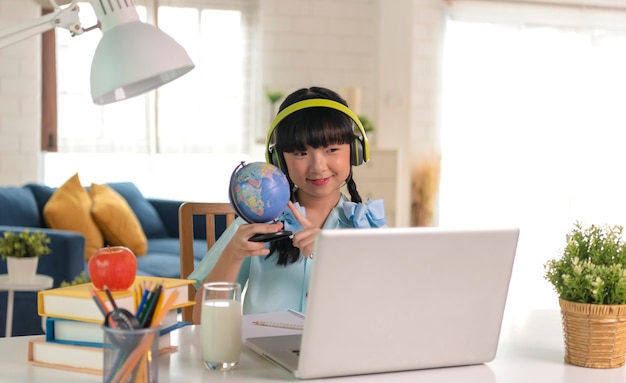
{"x":77,"y":358}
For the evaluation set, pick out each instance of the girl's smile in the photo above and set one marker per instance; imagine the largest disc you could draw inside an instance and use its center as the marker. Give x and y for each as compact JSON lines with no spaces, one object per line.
{"x":319,"y":181}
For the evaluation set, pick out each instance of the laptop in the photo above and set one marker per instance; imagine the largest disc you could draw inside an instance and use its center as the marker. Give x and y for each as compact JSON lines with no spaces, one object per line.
{"x":398,"y":299}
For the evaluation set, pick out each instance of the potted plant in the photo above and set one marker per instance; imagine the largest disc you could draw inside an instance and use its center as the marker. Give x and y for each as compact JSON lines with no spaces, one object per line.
{"x":78,"y":280}
{"x":590,"y":280}
{"x":22,"y":251}
{"x":273,"y":96}
{"x":368,"y":125}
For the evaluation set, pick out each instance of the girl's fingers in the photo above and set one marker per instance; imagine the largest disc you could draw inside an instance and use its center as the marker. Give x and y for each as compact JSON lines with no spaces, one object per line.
{"x":304,"y":222}
{"x":243,"y":247}
{"x":305,"y":240}
{"x":261,"y":228}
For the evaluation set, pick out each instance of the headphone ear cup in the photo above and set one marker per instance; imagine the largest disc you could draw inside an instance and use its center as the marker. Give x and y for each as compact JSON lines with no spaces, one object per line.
{"x":270,"y":155}
{"x":357,"y":151}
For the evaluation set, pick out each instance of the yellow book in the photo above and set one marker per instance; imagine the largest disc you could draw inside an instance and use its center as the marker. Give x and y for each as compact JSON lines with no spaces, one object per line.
{"x":76,"y":303}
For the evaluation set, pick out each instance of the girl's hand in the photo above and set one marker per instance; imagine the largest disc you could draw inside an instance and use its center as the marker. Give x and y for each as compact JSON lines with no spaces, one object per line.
{"x":239,"y":246}
{"x":305,"y":239}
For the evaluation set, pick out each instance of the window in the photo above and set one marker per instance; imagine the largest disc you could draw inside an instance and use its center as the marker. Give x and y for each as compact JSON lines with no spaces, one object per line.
{"x":532,"y":136}
{"x":209,"y":110}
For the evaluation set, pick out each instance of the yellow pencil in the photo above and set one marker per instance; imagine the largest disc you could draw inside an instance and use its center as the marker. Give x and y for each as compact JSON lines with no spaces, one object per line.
{"x":138,"y":294}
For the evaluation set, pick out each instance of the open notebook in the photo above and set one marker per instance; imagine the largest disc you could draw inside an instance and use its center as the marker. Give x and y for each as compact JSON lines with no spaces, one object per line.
{"x":395,"y":299}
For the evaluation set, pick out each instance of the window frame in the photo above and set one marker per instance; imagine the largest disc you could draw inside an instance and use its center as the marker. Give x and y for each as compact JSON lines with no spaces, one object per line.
{"x":249,"y":9}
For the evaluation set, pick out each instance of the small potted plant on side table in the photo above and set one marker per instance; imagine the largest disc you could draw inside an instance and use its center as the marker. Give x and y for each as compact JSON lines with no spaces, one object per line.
{"x":590,"y":279}
{"x":22,"y":251}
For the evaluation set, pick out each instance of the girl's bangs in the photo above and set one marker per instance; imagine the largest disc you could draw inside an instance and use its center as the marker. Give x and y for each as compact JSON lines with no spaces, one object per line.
{"x":314,"y":128}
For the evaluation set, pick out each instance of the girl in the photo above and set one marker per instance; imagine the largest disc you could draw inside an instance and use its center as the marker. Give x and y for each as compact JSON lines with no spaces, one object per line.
{"x":313,"y":141}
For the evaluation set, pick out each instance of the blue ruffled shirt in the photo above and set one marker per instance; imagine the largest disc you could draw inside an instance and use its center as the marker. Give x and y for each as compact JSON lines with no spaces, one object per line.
{"x":278,"y":288}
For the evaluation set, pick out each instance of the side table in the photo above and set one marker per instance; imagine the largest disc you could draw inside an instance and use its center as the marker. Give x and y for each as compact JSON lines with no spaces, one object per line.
{"x":40,"y":282}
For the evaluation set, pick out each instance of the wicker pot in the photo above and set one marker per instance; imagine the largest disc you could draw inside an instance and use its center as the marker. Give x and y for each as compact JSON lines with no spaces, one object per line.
{"x":595,"y":335}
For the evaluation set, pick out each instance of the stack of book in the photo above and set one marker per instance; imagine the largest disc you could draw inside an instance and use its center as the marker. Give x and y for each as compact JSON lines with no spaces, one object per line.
{"x":74,"y":336}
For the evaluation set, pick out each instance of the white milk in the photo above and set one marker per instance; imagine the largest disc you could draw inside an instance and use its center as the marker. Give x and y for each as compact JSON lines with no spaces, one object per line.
{"x":221,"y":331}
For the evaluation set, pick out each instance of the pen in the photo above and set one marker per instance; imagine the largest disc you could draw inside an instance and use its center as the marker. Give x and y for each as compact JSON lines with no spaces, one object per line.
{"x":110,"y":296}
{"x":279,"y":325}
{"x":296,"y":313}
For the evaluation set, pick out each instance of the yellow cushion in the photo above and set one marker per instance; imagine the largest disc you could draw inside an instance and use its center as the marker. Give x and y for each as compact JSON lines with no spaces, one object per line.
{"x":69,"y":208}
{"x":116,"y":219}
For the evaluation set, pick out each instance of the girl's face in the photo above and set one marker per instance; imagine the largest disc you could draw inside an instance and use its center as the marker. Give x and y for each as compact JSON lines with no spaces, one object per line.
{"x":319,"y":172}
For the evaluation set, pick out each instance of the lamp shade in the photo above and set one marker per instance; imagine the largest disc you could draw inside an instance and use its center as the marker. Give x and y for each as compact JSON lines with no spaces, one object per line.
{"x":133,"y":58}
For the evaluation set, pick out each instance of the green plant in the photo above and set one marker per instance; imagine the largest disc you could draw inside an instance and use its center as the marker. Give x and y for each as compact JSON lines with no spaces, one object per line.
{"x":368,"y":125}
{"x":24,"y":244}
{"x":273,"y":95}
{"x":592,"y":266}
{"x":78,"y":280}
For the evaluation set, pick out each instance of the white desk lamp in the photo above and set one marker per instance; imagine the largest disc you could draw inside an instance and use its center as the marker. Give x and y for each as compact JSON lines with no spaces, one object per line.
{"x":132,"y":57}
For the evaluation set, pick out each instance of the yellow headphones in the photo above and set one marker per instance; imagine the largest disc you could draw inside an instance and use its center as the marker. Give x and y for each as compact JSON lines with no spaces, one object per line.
{"x":359,"y":148}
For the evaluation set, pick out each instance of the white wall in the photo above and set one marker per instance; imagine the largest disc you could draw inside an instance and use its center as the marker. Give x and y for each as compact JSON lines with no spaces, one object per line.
{"x":183,"y":177}
{"x":389,"y":49}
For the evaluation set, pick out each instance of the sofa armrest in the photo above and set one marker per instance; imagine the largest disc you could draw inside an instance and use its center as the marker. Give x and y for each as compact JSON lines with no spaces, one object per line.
{"x":67,"y":258}
{"x":168,"y":211}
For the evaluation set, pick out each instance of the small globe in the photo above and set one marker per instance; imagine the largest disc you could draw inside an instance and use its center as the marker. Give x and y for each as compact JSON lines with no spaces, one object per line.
{"x":259,"y":191}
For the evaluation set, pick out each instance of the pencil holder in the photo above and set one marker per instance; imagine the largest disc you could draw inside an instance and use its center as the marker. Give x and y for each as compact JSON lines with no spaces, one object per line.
{"x":131,"y":355}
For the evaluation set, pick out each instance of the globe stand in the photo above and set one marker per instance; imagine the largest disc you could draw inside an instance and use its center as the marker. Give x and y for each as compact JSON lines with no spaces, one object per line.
{"x":269,"y":237}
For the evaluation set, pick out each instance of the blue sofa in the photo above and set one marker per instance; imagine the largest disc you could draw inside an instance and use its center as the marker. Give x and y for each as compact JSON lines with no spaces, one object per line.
{"x":22,"y":207}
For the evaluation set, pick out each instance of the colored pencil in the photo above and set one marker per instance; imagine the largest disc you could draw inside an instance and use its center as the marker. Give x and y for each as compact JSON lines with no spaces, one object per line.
{"x":99,"y":302}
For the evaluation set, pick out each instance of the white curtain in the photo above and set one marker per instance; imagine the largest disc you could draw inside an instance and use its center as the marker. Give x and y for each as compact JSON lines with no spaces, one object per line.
{"x":533,"y":135}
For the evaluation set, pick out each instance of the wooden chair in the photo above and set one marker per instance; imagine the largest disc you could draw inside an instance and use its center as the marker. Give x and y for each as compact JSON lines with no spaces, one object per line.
{"x":186,"y":212}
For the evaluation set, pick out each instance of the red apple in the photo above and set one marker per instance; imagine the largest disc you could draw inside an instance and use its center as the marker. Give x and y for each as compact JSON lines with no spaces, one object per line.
{"x":114,"y":267}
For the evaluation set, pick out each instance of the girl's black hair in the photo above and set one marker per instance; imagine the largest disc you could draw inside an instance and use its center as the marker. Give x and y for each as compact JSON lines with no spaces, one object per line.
{"x":314,"y":127}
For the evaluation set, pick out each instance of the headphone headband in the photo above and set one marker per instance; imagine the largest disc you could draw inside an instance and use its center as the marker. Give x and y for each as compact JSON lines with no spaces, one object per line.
{"x":312,"y":103}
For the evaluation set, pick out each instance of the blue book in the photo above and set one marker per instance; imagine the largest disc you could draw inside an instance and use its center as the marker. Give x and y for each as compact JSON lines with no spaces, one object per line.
{"x":67,"y":331}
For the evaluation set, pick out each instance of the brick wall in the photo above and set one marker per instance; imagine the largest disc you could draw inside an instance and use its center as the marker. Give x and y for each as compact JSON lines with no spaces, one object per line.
{"x":389,"y":49}
{"x":20,"y":90}
{"x":321,"y":42}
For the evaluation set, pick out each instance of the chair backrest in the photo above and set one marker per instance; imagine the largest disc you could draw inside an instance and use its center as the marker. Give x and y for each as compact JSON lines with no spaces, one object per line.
{"x":186,"y":212}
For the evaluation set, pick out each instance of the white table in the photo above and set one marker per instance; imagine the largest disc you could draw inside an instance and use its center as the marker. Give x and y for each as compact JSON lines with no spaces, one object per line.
{"x":530,"y":350}
{"x":40,"y":282}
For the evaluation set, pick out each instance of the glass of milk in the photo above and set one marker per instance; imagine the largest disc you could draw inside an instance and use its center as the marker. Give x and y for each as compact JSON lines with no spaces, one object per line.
{"x":221,"y":325}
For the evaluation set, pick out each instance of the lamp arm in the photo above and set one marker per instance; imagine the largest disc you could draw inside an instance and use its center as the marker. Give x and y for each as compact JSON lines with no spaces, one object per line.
{"x":66,"y":18}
